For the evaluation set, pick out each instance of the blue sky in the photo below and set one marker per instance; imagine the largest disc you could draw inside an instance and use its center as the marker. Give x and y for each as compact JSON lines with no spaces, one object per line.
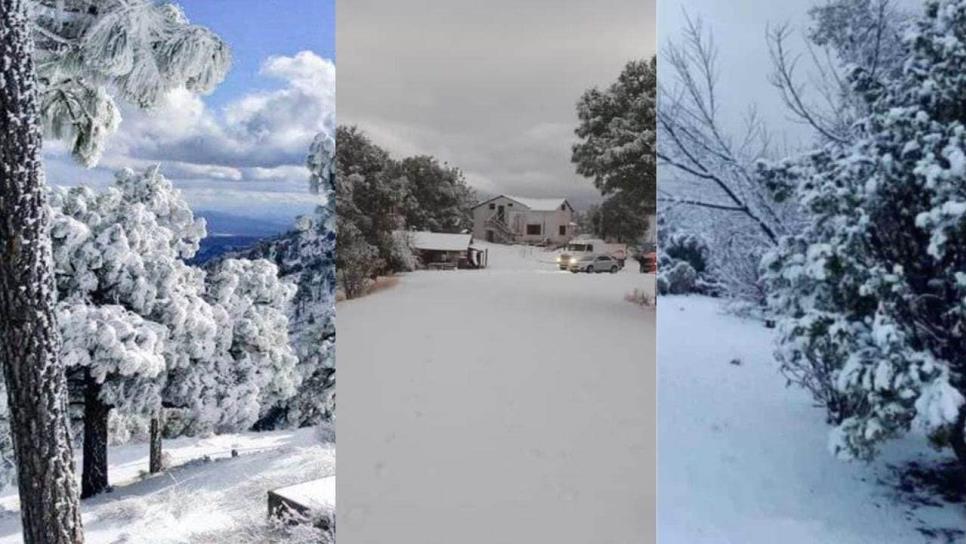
{"x":258,"y":29}
{"x":241,"y":149}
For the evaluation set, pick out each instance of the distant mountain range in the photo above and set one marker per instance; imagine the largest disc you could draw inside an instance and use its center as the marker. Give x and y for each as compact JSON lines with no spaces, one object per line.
{"x":232,"y":233}
{"x":225,"y":224}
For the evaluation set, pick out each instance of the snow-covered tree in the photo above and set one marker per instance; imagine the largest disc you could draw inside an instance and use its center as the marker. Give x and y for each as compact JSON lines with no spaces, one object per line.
{"x":119,"y":261}
{"x":91,"y":51}
{"x":617,"y":132}
{"x":143,"y":330}
{"x":439,"y":199}
{"x":369,"y":197}
{"x":305,"y":258}
{"x":844,"y":35}
{"x":872,"y":292}
{"x":313,"y":316}
{"x":257,"y":369}
{"x":36,"y":388}
{"x":709,"y":167}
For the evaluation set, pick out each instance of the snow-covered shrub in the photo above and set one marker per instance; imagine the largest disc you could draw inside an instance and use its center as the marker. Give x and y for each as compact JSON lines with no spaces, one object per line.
{"x":402,"y":253}
{"x":679,"y":280}
{"x":684,"y":261}
{"x":325,"y":432}
{"x":640,"y":297}
{"x":872,"y":295}
{"x":358,"y":260}
{"x":688,"y":247}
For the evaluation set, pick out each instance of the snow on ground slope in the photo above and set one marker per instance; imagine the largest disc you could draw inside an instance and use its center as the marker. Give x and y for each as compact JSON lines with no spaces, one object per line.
{"x":742,"y":459}
{"x":218,"y":501}
{"x":507,"y":405}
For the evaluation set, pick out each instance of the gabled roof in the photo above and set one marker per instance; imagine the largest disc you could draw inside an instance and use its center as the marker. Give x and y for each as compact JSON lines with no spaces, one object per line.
{"x":535,"y":204}
{"x":438,"y":241}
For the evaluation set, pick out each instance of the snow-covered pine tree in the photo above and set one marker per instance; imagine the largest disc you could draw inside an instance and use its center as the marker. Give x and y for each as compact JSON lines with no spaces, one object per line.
{"x":306,"y":258}
{"x":36,"y":387}
{"x":616,"y":148}
{"x":130,"y":310}
{"x":313,"y":309}
{"x":369,"y":197}
{"x":872,"y":295}
{"x":143,"y":330}
{"x":438,"y":200}
{"x":257,"y":371}
{"x":88,"y":51}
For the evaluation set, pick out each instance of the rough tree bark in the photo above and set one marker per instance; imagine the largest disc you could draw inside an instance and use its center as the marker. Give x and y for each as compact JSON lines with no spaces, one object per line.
{"x":29,"y":343}
{"x":154,"y":461}
{"x":96,"y":417}
{"x":957,"y":438}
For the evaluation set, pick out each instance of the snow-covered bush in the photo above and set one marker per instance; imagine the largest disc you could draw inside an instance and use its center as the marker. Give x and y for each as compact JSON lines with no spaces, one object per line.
{"x":402,"y":253}
{"x":684,"y":262}
{"x":688,"y":247}
{"x":681,"y":279}
{"x":358,"y":260}
{"x":641,"y":298}
{"x":872,"y":295}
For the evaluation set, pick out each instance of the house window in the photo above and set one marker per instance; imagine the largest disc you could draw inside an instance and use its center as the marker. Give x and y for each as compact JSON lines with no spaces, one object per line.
{"x":562,"y":230}
{"x":533,"y":230}
{"x":563,"y":207}
{"x":492,"y":206}
{"x":510,"y":204}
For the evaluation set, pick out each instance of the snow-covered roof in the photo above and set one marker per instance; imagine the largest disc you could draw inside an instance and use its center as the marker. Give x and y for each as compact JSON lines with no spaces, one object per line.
{"x":316,"y":495}
{"x":535,"y":204}
{"x":539,"y":204}
{"x":438,"y":241}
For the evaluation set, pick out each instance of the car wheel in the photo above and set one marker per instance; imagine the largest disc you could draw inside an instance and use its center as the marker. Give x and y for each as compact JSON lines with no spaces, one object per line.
{"x":613,"y":269}
{"x":590,"y":269}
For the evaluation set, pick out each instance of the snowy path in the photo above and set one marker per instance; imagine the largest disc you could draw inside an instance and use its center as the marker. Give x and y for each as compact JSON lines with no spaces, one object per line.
{"x":514,"y":404}
{"x":742,"y":459}
{"x":200,"y":502}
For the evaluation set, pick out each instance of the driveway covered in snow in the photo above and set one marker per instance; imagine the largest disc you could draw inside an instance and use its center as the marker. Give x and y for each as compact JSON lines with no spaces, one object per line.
{"x":513,"y":404}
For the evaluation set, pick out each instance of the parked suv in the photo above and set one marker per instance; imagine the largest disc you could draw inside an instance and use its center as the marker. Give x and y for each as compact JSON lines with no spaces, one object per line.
{"x":595,"y":263}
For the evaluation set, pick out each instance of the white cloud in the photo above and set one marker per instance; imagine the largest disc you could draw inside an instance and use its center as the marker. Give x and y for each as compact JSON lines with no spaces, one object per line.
{"x":262,"y":136}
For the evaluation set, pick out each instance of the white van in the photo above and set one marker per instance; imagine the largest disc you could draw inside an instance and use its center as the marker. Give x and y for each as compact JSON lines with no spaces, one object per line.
{"x":590,"y":246}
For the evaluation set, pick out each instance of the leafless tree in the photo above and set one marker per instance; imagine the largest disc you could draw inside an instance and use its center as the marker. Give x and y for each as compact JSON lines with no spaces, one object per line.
{"x":709,"y":166}
{"x":861,"y":37}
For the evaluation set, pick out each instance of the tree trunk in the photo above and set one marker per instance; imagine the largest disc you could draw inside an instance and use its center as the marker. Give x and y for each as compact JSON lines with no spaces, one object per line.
{"x":154,"y":462}
{"x":29,"y":343}
{"x":94,"y":477}
{"x":957,"y":438}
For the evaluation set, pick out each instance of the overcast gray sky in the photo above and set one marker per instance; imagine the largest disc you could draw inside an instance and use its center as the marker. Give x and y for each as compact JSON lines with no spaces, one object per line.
{"x":489,"y":87}
{"x":739,"y":29}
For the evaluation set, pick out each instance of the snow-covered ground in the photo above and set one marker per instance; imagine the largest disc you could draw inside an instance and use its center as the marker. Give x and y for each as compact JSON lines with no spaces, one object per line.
{"x":217,"y":501}
{"x":742,"y":459}
{"x":506,"y":405}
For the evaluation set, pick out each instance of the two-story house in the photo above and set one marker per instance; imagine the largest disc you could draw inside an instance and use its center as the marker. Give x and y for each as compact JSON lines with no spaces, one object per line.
{"x":507,"y":219}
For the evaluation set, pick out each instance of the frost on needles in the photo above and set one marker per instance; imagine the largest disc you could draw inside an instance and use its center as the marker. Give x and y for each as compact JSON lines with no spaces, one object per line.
{"x":91,"y":51}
